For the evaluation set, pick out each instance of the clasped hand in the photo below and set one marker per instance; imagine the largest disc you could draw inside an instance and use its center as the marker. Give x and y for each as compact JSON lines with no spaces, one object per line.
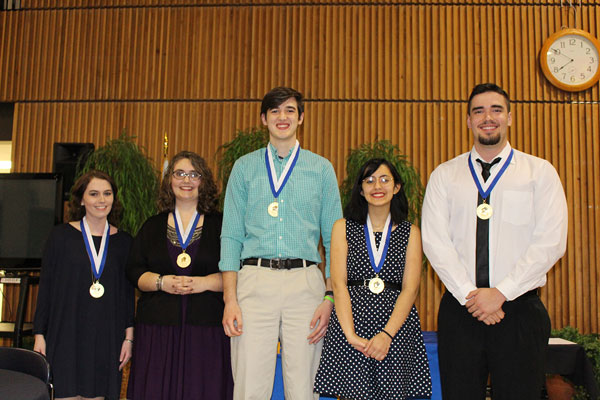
{"x":376,"y":348}
{"x":178,"y":284}
{"x":485,"y":304}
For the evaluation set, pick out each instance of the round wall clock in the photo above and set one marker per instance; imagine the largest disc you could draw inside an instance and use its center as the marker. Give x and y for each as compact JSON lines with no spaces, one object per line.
{"x":570,"y":59}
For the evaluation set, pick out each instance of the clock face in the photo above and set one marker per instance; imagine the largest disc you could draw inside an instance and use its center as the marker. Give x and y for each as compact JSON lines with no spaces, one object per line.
{"x":571,"y":60}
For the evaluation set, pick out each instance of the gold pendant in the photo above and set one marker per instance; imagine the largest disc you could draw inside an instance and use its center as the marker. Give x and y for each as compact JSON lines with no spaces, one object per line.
{"x":273,"y":209}
{"x":376,"y":285}
{"x":184,"y":260}
{"x":96,"y":290}
{"x":484,"y":211}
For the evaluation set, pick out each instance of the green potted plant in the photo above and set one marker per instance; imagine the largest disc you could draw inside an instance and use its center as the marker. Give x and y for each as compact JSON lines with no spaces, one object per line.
{"x":385,"y":149}
{"x":244,"y":142}
{"x":135,"y":176}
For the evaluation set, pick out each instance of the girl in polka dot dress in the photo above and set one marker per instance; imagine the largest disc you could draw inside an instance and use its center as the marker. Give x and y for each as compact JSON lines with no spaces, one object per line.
{"x":374,"y":346}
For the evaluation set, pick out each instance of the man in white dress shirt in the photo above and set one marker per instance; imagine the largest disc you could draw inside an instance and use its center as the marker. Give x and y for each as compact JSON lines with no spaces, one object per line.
{"x":494,"y":222}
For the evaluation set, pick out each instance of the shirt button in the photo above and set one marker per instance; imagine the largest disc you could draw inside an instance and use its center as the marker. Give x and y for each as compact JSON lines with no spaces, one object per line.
{"x":280,"y":237}
{"x":282,"y":200}
{"x":279,"y":255}
{"x":280,"y":219}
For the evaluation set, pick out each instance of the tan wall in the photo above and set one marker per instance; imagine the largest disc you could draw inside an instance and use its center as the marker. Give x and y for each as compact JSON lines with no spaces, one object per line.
{"x":398,"y":71}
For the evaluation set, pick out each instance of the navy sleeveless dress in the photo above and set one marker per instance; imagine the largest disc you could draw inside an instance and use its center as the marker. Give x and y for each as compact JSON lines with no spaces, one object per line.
{"x":344,"y":371}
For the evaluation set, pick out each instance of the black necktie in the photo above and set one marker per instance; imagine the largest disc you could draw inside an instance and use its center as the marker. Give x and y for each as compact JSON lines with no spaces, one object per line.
{"x":482,"y":246}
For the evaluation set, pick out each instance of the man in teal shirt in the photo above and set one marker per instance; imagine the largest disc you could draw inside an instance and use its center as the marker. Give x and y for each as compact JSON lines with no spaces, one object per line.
{"x":280,"y":200}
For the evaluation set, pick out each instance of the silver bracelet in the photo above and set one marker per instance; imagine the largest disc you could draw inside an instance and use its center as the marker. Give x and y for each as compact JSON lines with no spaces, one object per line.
{"x":159,"y":283}
{"x":129,"y":340}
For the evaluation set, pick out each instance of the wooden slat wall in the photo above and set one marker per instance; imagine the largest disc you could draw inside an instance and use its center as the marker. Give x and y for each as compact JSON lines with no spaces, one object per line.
{"x":399,"y":71}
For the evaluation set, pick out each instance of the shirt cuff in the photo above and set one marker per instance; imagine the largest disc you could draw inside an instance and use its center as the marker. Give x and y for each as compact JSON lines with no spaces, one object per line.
{"x":509,"y":289}
{"x":229,"y":265}
{"x":463,"y":291}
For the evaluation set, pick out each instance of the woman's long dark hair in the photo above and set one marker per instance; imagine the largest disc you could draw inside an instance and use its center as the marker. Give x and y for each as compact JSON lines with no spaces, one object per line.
{"x":358,"y":208}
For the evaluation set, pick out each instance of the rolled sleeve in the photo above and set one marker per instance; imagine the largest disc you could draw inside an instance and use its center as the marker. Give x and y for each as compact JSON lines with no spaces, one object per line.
{"x":234,"y":215}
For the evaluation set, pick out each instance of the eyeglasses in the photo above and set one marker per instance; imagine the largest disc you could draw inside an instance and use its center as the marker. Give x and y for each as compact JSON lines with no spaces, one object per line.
{"x":383,"y":179}
{"x":180,"y":175}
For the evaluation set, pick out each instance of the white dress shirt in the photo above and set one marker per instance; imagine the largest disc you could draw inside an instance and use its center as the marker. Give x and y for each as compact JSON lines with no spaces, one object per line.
{"x":527,"y":231}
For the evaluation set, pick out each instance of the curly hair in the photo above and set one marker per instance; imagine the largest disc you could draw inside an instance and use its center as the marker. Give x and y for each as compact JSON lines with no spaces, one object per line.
{"x":77,"y":210}
{"x":357,"y":208}
{"x":207,"y":190}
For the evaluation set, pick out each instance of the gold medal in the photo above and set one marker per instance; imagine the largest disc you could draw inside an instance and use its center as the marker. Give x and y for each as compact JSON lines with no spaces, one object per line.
{"x":96,"y":290}
{"x":184,"y":260}
{"x":484,"y":211}
{"x":376,"y":285}
{"x":273,"y":209}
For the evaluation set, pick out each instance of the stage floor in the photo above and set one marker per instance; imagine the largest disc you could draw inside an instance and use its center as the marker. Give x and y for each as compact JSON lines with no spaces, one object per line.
{"x":430,"y":346}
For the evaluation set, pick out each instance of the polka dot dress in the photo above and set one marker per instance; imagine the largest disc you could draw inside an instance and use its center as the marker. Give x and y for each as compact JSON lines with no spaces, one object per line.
{"x":344,"y":371}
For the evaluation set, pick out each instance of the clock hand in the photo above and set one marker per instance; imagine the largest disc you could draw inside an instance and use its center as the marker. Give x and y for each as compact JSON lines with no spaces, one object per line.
{"x":558,"y":53}
{"x":571,"y":60}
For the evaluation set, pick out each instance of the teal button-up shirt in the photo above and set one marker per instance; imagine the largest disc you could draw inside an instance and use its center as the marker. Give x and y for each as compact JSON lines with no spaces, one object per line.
{"x":309,"y":204}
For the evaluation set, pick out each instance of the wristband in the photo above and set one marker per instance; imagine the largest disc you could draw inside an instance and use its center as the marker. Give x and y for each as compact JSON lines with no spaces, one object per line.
{"x":329,"y":298}
{"x":129,"y":340}
{"x":384,"y":331}
{"x":159,"y":283}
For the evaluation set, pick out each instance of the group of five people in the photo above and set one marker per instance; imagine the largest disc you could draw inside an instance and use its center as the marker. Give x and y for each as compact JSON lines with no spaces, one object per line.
{"x":219,"y":292}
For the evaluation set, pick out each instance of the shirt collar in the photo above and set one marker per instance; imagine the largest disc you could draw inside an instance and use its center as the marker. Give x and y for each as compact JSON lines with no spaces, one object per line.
{"x":275,"y":154}
{"x":503,"y":154}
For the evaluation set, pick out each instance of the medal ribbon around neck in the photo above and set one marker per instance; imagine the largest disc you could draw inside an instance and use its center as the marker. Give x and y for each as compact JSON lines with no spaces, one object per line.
{"x":185,"y":237}
{"x":97,"y":258}
{"x":485,"y":194}
{"x":377,"y":254}
{"x":277,"y":187}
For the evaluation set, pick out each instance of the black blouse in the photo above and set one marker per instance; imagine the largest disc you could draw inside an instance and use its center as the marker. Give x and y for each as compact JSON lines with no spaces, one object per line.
{"x":149,"y":252}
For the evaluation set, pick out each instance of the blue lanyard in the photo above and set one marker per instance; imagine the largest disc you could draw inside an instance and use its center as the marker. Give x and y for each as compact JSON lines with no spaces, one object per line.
{"x":485,"y":194}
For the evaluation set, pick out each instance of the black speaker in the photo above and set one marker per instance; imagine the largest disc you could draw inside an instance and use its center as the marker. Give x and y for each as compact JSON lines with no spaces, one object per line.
{"x":7,"y":111}
{"x":66,"y":158}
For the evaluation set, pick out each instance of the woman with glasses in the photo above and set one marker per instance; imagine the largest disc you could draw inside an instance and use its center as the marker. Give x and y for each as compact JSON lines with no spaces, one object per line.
{"x":374,"y":346}
{"x":83,"y":320}
{"x":181,"y":351}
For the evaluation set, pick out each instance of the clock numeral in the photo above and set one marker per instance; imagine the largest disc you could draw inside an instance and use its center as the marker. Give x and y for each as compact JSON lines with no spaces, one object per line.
{"x":556,"y":51}
{"x":588,"y":50}
{"x":582,"y":76}
{"x":573,"y":79}
{"x":564,"y":75}
{"x":552,"y":60}
{"x":592,"y":60}
{"x":556,"y":69}
{"x":589,"y":69}
{"x":562,"y":45}
{"x":572,"y":42}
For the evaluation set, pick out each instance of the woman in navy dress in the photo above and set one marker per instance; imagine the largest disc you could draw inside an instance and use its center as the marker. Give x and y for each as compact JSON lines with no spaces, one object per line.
{"x":83,"y":320}
{"x":374,"y":345}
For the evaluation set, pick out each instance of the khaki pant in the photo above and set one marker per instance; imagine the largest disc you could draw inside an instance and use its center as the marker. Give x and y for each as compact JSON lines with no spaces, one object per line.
{"x":276,"y":305}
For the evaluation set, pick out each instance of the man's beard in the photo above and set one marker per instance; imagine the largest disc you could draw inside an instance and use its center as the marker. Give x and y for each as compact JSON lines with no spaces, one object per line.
{"x":489,"y":140}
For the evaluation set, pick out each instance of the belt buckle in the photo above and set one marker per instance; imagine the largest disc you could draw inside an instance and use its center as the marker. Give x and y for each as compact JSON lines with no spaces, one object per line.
{"x":275,"y":263}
